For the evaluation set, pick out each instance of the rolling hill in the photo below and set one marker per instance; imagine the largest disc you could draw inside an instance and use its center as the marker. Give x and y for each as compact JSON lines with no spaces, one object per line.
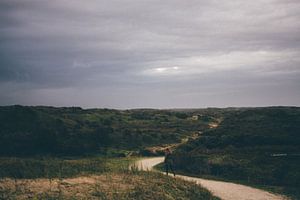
{"x":254,"y":145}
{"x":26,"y":130}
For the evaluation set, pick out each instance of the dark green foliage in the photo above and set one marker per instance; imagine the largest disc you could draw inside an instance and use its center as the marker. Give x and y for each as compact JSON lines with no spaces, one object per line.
{"x":181,"y":115}
{"x":26,"y":131}
{"x":255,"y":145}
{"x":29,"y":130}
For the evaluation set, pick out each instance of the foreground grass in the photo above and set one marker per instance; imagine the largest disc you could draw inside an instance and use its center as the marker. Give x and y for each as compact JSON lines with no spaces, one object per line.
{"x":89,"y":178}
{"x":113,"y":185}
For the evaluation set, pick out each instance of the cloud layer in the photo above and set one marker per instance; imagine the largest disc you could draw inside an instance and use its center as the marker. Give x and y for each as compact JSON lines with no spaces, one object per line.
{"x":140,"y":53}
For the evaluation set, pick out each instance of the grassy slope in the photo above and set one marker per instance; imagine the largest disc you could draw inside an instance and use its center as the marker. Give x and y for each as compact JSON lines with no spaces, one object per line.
{"x":140,"y":185}
{"x":91,"y":178}
{"x":53,"y":167}
{"x":240,"y":149}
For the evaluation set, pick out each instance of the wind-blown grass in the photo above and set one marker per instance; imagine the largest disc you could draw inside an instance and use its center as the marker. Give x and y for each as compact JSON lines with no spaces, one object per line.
{"x":58,"y":167}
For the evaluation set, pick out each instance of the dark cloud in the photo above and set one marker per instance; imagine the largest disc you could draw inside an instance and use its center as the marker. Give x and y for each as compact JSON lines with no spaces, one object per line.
{"x":140,"y":53}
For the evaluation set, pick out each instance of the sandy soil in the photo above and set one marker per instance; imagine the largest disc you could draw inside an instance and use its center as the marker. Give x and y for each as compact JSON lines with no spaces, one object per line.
{"x":224,"y":190}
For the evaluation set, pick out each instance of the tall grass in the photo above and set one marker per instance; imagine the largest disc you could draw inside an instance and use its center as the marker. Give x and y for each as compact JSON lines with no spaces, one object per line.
{"x":109,"y":186}
{"x":46,"y":167}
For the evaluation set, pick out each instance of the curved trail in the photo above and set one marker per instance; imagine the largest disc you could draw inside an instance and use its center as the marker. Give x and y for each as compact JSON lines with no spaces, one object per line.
{"x":224,"y":190}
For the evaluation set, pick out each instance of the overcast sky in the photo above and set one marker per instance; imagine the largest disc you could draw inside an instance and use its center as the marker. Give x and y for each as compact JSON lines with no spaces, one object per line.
{"x":150,"y":53}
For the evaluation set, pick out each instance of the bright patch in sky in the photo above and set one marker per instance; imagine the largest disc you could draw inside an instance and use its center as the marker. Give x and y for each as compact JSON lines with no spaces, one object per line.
{"x":163,"y":71}
{"x":255,"y":61}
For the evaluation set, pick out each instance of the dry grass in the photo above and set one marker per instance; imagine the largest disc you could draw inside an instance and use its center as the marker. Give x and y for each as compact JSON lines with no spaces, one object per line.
{"x":87,"y":187}
{"x":130,"y":185}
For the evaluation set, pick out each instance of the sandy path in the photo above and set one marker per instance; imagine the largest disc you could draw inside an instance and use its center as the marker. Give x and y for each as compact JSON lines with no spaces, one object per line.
{"x":224,"y":190}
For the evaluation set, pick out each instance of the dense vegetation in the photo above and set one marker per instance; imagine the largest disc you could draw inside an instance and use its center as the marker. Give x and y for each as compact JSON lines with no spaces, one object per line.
{"x":75,"y":131}
{"x":258,"y":146}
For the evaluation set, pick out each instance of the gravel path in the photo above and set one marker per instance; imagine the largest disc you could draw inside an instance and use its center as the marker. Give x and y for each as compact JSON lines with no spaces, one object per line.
{"x":224,"y":190}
